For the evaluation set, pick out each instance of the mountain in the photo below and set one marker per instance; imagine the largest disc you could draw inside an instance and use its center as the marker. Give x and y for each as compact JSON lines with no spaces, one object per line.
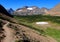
{"x":21,"y":11}
{"x":5,"y":15}
{"x":10,"y":11}
{"x":44,"y":10}
{"x":55,"y":10}
{"x":32,"y":10}
{"x":18,"y":9}
{"x":4,"y":11}
{"x":25,"y":7}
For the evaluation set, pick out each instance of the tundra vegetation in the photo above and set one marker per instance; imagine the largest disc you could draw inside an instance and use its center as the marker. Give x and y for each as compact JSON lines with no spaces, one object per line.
{"x":52,"y":29}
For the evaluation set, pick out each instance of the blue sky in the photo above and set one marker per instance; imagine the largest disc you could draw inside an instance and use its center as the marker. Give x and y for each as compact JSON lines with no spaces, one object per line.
{"x":20,"y":3}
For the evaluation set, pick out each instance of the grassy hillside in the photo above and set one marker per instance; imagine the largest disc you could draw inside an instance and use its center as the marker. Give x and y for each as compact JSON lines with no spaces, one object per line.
{"x":35,"y":18}
{"x":52,"y":29}
{"x":54,"y":33}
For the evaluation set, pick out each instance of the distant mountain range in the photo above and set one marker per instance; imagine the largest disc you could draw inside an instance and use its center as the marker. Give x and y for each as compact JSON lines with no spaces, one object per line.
{"x":32,"y":10}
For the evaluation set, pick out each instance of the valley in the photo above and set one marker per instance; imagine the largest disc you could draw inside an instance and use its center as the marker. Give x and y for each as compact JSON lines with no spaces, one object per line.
{"x":51,"y":29}
{"x":29,"y":23}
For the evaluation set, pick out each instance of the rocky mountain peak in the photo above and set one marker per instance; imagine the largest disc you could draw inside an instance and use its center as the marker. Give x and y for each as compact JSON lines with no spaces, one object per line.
{"x":10,"y":11}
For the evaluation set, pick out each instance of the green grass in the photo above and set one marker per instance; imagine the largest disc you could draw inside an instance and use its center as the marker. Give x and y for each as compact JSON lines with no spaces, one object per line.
{"x":35,"y":18}
{"x":54,"y":33}
{"x":30,"y":21}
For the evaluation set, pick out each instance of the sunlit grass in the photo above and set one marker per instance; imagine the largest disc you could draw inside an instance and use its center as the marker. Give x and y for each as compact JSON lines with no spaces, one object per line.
{"x":31,"y":20}
{"x":54,"y":33}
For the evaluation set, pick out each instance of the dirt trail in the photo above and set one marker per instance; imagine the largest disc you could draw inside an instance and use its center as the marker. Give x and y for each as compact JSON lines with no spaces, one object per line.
{"x":9,"y":34}
{"x":32,"y":34}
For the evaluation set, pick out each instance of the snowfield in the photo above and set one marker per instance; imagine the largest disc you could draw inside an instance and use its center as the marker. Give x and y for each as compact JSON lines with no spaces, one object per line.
{"x":42,"y":23}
